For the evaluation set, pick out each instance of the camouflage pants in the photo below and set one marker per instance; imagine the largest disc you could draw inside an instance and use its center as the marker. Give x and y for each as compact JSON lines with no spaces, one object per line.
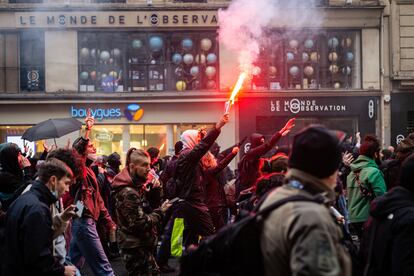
{"x":140,"y":261}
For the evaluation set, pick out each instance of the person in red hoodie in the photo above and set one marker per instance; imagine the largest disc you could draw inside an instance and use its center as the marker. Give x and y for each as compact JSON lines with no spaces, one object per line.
{"x":138,"y":223}
{"x":85,"y":240}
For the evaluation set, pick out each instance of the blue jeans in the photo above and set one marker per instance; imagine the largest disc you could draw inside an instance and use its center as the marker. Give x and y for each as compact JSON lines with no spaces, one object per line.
{"x":86,"y":243}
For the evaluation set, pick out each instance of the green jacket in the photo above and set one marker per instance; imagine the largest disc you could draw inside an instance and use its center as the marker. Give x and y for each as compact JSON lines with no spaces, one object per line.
{"x":370,"y":177}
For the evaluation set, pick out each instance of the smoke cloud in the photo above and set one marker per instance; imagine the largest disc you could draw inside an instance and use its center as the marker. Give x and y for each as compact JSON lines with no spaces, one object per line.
{"x":244,"y":23}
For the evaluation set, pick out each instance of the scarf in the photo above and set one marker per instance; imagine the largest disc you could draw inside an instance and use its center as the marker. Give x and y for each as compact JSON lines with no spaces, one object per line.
{"x":314,"y":182}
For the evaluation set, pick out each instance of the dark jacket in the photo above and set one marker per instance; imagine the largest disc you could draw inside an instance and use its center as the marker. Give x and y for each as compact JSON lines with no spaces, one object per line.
{"x":167,"y":174}
{"x":30,"y":235}
{"x":390,"y":231}
{"x":248,"y":166}
{"x":302,"y":238}
{"x":215,"y":196}
{"x":189,"y":170}
{"x":137,"y":222}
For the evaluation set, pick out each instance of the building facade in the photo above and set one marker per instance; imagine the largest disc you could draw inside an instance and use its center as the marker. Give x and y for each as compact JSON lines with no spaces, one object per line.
{"x":147,"y":70}
{"x":401,"y":81}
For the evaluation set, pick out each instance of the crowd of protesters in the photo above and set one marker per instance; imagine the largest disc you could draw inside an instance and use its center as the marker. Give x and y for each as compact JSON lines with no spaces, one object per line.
{"x":69,"y":206}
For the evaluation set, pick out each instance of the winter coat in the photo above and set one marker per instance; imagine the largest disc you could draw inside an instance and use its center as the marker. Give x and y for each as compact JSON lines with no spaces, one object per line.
{"x":371,"y":177}
{"x":189,"y":170}
{"x":302,"y":238}
{"x":29,"y":234}
{"x":215,"y":196}
{"x":390,"y":231}
{"x":137,"y":222}
{"x":248,"y":166}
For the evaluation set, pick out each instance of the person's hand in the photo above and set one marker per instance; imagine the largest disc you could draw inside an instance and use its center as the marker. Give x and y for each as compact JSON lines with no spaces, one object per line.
{"x":347,"y":158}
{"x":70,"y":270}
{"x":68,"y":213}
{"x":68,"y":146}
{"x":25,"y":148}
{"x":155,"y":183}
{"x":46,"y":146}
{"x":166,"y":204}
{"x":223,"y":120}
{"x":235,"y":150}
{"x":340,"y":219}
{"x":101,"y":170}
{"x":30,"y":153}
{"x":112,"y":234}
{"x":89,"y":121}
{"x":286,"y":129}
{"x":24,"y":162}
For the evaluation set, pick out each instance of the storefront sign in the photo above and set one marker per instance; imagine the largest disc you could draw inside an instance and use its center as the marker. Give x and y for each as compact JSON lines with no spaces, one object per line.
{"x":104,"y":136}
{"x":132,"y":112}
{"x":319,"y":106}
{"x":116,"y":19}
{"x":295,"y":106}
{"x":97,"y":113}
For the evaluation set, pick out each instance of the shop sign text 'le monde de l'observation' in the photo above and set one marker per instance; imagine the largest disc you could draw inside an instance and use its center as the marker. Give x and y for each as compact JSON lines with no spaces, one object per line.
{"x":116,"y":19}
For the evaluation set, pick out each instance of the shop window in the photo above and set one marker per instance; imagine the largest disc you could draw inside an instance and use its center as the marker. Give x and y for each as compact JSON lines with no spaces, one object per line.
{"x":13,"y":134}
{"x":309,"y":60}
{"x":32,"y":61}
{"x":9,"y":71}
{"x":147,"y":62}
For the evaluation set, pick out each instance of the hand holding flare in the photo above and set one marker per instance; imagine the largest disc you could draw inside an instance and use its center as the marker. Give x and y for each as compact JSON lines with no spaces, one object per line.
{"x":235,"y":91}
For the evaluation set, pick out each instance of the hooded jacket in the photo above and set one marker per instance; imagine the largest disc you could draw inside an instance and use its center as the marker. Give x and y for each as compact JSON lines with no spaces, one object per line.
{"x":137,"y":222}
{"x":189,"y":170}
{"x":302,"y":238}
{"x":371,"y":177}
{"x":389,"y":235}
{"x":30,"y":234}
{"x":248,"y":166}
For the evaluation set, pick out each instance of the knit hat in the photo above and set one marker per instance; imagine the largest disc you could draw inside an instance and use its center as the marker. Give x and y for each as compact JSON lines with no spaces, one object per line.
{"x":316,"y":150}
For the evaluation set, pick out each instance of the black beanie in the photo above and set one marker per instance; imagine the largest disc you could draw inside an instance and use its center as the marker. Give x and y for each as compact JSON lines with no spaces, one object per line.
{"x":316,"y":150}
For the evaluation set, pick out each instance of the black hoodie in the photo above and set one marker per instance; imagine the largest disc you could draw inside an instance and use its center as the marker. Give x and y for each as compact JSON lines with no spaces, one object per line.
{"x":248,"y":166}
{"x":390,"y":231}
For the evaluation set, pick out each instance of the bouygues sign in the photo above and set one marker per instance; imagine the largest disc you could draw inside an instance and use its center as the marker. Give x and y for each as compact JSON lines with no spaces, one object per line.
{"x":132,"y":112}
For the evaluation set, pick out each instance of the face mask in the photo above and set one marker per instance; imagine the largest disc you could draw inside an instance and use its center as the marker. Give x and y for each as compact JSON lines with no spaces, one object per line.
{"x":92,"y":156}
{"x":54,"y":192}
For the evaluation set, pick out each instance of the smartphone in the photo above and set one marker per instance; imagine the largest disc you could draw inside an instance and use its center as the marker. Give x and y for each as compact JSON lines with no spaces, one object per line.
{"x":79,"y":208}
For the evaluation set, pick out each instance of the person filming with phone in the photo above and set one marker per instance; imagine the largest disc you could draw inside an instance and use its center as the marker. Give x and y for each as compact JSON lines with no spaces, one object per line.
{"x":137,"y":222}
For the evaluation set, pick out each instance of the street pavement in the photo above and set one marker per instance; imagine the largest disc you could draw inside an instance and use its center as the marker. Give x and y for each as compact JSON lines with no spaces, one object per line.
{"x":119,"y":268}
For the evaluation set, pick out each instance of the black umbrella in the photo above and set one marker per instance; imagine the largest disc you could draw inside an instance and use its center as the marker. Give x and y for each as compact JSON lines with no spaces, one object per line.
{"x":52,"y":128}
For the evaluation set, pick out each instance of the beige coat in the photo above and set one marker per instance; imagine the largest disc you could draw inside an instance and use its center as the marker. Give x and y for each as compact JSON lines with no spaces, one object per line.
{"x":302,"y":238}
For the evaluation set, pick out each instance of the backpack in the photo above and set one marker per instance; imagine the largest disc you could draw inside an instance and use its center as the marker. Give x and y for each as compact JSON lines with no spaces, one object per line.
{"x":235,"y":249}
{"x":366,"y":192}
